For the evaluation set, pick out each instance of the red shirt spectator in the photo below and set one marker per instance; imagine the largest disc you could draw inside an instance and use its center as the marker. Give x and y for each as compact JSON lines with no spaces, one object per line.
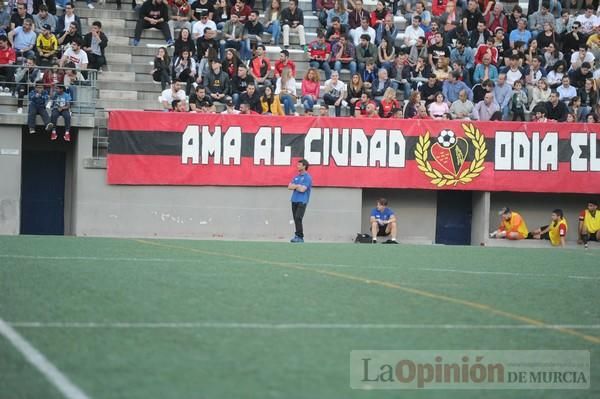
{"x":438,"y":7}
{"x":7,"y":53}
{"x":482,"y":50}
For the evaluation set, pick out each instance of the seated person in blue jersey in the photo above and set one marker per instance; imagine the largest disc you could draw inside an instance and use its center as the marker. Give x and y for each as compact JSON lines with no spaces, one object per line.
{"x":383,"y":222}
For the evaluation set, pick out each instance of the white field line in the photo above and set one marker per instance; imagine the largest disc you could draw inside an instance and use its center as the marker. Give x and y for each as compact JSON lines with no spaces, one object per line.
{"x":293,"y":326}
{"x":39,"y":361}
{"x":168,"y":260}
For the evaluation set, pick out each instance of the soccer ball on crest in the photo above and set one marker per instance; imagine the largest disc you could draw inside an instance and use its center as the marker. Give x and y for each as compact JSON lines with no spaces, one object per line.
{"x":447,"y":138}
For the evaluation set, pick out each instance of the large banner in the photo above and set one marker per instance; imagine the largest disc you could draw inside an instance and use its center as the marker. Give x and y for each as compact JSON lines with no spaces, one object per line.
{"x":154,"y":148}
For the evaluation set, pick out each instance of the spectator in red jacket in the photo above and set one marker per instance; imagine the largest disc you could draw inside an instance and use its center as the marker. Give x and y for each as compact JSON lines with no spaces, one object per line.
{"x":7,"y":57}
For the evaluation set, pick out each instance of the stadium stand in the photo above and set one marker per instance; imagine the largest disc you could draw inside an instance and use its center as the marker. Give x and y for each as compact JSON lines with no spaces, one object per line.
{"x":127,"y":81}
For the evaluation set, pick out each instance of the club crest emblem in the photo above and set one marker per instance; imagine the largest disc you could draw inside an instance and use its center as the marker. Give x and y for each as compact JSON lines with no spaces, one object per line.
{"x":449,"y":154}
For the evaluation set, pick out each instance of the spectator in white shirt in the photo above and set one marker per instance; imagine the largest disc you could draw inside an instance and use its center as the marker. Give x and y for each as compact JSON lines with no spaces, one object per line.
{"x":581,"y":56}
{"x":413,"y":32}
{"x":198,"y":29}
{"x":588,"y":20}
{"x":565,"y":91}
{"x":173,"y":93}
{"x":363,"y":29}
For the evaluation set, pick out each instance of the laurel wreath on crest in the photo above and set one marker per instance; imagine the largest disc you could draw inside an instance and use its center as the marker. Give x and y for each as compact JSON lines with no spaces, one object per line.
{"x":446,"y":179}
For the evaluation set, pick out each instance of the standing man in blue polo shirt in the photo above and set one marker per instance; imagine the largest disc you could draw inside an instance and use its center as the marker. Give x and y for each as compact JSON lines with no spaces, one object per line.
{"x":383,"y":222}
{"x":301,"y":185}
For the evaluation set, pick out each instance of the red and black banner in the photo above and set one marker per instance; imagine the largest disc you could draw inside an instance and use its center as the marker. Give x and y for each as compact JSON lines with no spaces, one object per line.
{"x":156,"y":148}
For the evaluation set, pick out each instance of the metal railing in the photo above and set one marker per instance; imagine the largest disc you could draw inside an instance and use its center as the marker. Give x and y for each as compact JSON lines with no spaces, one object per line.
{"x":18,"y":80}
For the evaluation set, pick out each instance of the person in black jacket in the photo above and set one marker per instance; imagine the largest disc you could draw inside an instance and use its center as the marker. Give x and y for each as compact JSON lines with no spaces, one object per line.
{"x":556,"y":109}
{"x":252,"y":98}
{"x":239,"y":84}
{"x":153,"y":14}
{"x":94,"y":44}
{"x":61,"y":25}
{"x":292,"y":18}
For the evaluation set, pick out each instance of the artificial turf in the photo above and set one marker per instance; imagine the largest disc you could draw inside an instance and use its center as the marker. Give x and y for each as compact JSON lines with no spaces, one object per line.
{"x":225,"y":287}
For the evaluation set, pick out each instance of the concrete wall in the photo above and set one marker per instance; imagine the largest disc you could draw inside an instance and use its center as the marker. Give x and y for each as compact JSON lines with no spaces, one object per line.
{"x":536,"y":208}
{"x":10,"y":172}
{"x":415,"y":210}
{"x":253,"y":213}
{"x":480,"y":222}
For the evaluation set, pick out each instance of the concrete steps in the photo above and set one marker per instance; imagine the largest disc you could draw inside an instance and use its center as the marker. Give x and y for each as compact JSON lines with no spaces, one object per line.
{"x":117,"y":76}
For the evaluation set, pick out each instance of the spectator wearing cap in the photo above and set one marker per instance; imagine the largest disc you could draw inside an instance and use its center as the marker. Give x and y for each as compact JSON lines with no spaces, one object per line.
{"x":69,"y":17}
{"x":521,"y":34}
{"x":153,"y":14}
{"x":363,"y":29}
{"x":201,"y":25}
{"x":453,"y":86}
{"x":43,"y":17}
{"x":47,"y":46}
{"x":23,"y":39}
{"x":94,"y":44}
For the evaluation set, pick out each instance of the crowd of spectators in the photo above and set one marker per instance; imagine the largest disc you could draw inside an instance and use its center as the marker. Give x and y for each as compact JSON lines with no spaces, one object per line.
{"x":455,"y":60}
{"x":40,"y":48}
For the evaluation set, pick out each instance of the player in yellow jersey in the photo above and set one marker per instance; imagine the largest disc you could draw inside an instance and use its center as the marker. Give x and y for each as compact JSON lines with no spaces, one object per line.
{"x":589,"y":223}
{"x":512,"y":226}
{"x":556,"y":231}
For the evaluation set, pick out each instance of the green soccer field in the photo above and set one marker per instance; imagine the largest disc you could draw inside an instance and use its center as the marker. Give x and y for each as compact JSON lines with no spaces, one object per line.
{"x":139,"y":319}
